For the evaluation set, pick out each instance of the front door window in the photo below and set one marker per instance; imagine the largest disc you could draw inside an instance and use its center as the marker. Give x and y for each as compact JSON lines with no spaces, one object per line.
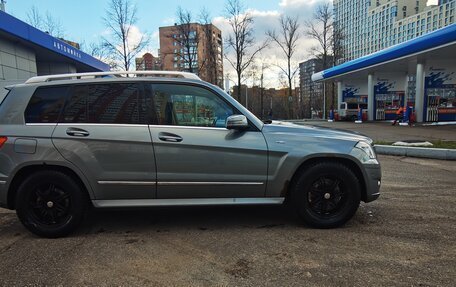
{"x":189,"y":106}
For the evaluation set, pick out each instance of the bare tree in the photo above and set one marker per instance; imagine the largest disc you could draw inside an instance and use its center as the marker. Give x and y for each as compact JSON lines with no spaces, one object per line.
{"x":120,"y":19}
{"x":47,"y":23}
{"x":187,"y":39}
{"x":329,"y":51}
{"x":320,"y":28}
{"x":211,"y":48}
{"x":338,"y":52}
{"x":195,"y":45}
{"x":99,"y":51}
{"x":34,"y":17}
{"x":287,"y":41}
{"x":241,"y":40}
{"x":263,"y":68}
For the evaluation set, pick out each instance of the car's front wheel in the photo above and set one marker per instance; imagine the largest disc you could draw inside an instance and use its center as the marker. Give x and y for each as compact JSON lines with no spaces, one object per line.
{"x":50,"y":203}
{"x":326,"y":194}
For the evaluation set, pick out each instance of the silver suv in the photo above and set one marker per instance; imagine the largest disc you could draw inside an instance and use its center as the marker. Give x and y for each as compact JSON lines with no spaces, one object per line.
{"x":69,"y":142}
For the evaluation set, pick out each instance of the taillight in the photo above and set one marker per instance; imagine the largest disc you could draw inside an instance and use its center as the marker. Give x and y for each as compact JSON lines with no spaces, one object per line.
{"x":3,"y":140}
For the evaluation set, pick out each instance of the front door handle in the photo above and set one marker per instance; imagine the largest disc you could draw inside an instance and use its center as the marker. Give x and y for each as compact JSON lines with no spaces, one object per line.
{"x":75,"y":132}
{"x":167,"y":137}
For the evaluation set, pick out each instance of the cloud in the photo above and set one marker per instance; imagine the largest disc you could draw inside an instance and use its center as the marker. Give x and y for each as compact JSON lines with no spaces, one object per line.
{"x":135,"y":36}
{"x":291,"y":3}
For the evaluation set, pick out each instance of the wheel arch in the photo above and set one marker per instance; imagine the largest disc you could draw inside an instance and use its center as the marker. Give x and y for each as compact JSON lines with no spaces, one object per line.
{"x":26,"y":171}
{"x":348,"y":162}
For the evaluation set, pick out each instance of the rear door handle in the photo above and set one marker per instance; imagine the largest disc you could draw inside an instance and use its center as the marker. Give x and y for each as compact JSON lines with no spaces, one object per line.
{"x":75,"y":132}
{"x":167,"y":137}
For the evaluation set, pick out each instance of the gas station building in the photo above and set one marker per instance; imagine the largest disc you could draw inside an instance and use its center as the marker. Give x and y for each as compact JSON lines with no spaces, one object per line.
{"x":26,"y":52}
{"x":419,"y":73}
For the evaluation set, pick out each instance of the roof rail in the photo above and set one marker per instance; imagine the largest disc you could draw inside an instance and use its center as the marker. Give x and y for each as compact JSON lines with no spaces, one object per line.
{"x":48,"y":78}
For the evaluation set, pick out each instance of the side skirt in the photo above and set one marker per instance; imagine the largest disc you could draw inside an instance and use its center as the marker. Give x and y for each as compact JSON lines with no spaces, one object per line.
{"x":186,"y":202}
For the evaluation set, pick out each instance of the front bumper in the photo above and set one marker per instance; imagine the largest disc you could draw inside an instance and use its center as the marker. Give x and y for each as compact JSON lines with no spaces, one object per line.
{"x":373,"y":180}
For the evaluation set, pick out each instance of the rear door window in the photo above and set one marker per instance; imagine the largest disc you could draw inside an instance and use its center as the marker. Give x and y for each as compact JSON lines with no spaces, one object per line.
{"x":118,"y":103}
{"x":45,"y":105}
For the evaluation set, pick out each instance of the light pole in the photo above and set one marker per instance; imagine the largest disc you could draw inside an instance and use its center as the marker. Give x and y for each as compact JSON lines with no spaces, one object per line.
{"x":246,"y":96}
{"x":324,"y":100}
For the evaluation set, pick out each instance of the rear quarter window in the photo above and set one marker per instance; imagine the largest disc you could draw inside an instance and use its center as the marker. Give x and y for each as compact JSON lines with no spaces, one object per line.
{"x":45,"y":105}
{"x":115,"y":103}
{"x":3,"y":96}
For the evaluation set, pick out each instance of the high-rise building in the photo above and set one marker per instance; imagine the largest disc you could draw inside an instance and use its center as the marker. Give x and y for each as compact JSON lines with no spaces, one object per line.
{"x":311,"y":93}
{"x":195,"y":48}
{"x":148,"y":63}
{"x":372,"y":25}
{"x":352,"y":19}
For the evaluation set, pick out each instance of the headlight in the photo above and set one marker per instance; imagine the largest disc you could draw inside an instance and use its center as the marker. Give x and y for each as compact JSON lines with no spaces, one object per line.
{"x":365,"y":153}
{"x":367,"y":148}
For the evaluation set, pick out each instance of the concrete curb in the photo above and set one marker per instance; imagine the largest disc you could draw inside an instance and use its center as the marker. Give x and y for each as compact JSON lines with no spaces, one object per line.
{"x":435,"y":153}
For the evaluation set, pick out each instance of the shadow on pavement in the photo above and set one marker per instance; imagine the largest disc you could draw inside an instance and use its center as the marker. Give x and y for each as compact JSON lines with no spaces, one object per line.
{"x":164,"y":219}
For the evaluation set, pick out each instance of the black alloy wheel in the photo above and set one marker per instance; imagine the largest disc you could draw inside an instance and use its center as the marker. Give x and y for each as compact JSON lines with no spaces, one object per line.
{"x":326,"y":194}
{"x":50,"y":203}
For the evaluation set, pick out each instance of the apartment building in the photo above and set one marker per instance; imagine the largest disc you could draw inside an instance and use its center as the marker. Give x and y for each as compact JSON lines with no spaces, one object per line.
{"x":148,"y":63}
{"x":373,"y":25}
{"x":311,"y":93}
{"x":195,"y":48}
{"x":352,"y":18}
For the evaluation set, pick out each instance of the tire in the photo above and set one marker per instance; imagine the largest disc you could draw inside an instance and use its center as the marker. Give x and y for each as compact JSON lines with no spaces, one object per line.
{"x":354,"y":118}
{"x":50,"y":204}
{"x":326,"y":195}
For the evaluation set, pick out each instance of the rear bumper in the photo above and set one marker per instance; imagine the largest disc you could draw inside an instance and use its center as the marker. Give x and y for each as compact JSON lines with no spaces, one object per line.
{"x":3,"y":194}
{"x":373,"y":182}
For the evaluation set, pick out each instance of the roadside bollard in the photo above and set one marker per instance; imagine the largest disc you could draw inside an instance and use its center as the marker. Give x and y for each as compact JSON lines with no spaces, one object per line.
{"x":331,"y":116}
{"x":406,"y":115}
{"x":360,"y":116}
{"x":410,"y":116}
{"x":406,"y":120}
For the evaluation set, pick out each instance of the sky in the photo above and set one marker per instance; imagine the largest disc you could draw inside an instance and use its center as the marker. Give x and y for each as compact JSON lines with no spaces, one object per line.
{"x":82,"y":22}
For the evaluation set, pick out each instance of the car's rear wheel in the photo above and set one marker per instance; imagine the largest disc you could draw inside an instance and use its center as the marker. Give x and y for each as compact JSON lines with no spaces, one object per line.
{"x":50,"y":204}
{"x":326,"y":194}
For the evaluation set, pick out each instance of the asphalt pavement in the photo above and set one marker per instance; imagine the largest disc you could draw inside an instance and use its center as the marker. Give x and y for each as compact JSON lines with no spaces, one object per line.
{"x":405,"y":238}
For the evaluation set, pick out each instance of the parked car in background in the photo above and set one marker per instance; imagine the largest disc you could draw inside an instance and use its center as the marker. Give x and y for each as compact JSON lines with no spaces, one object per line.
{"x":349,"y":111}
{"x":70,"y":142}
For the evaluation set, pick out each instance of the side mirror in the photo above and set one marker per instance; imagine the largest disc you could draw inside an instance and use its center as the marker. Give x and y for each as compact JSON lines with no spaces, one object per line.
{"x":237,"y":122}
